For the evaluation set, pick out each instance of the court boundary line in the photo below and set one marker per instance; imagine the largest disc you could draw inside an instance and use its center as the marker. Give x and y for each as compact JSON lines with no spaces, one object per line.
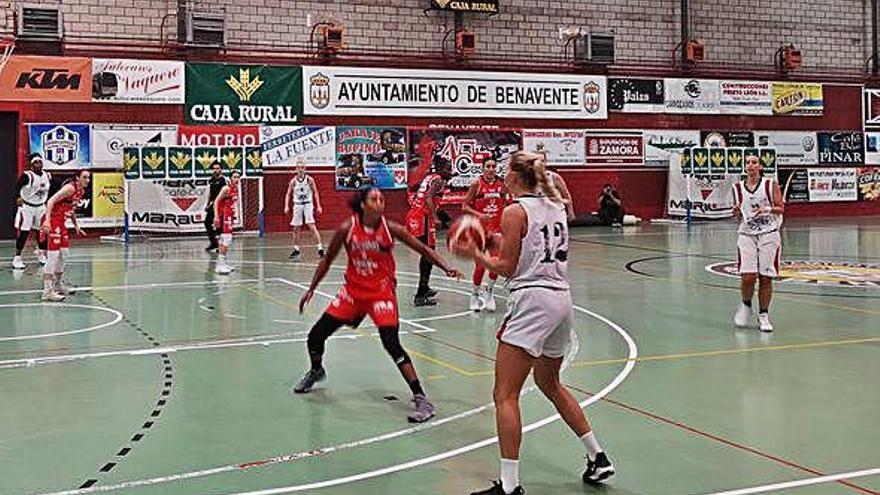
{"x":785,"y":485}
{"x":117,"y":319}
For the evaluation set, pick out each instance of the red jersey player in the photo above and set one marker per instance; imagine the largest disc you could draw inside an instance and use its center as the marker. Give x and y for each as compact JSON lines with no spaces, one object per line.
{"x":486,"y":199}
{"x":58,"y":209}
{"x":369,"y":289}
{"x":421,"y":222}
{"x":224,"y":218}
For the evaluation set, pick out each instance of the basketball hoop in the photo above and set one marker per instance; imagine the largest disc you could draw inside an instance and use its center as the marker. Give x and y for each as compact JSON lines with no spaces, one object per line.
{"x":7,"y":46}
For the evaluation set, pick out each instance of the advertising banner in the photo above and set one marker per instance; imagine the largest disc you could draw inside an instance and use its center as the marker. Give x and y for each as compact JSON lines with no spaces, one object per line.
{"x":283,"y":146}
{"x":561,"y":147}
{"x":661,"y":144}
{"x":437,"y":93}
{"x":615,"y":148}
{"x":746,"y":98}
{"x":171,"y":205}
{"x":243,"y":94}
{"x":792,"y":147}
{"x":841,"y":148}
{"x":138,"y":81}
{"x":869,"y":184}
{"x":371,"y":156}
{"x":108,"y":141}
{"x":797,"y":99}
{"x":63,"y":146}
{"x":635,"y":95}
{"x":692,"y":96}
{"x":218,"y":135}
{"x":711,"y":196}
{"x":833,"y":184}
{"x":38,"y":78}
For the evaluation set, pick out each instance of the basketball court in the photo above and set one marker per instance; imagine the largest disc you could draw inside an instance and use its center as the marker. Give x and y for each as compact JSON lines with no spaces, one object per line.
{"x":160,"y":377}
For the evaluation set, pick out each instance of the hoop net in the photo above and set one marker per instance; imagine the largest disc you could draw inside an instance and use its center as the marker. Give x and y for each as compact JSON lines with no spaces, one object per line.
{"x":7,"y":46}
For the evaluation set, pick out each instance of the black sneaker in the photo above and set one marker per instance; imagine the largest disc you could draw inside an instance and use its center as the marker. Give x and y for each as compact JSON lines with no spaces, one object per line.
{"x":320,"y":253}
{"x":309,"y":380}
{"x":598,"y":470}
{"x":294,"y":255}
{"x":431,"y":292}
{"x":424,"y":301}
{"x":497,"y":490}
{"x":211,"y":248}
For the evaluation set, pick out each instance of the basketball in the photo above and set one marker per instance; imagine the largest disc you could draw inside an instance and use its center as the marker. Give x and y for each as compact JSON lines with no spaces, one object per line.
{"x":463,"y":229}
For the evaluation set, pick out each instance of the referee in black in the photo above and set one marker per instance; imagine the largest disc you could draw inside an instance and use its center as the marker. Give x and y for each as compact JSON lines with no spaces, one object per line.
{"x":217,"y":182}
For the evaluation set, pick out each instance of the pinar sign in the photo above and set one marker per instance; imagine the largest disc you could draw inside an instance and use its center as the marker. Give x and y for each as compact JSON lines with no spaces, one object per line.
{"x":28,"y":78}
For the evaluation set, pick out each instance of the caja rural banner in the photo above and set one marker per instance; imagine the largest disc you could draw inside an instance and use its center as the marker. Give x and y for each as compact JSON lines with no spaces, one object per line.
{"x":560,"y":147}
{"x":243,"y":94}
{"x":662,"y":144}
{"x":371,"y":156}
{"x":108,"y":141}
{"x":615,"y":148}
{"x":797,"y":99}
{"x":37,"y":78}
{"x":465,"y":149}
{"x":170,"y":205}
{"x":138,"y":81}
{"x":437,"y":93}
{"x":182,"y":162}
{"x":283,"y":146}
{"x":63,"y":146}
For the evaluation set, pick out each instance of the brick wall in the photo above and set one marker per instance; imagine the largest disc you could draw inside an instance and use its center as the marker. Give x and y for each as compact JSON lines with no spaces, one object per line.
{"x":832,"y":33}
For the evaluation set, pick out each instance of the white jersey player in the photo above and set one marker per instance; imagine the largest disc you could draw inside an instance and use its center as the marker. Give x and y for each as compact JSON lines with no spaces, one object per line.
{"x":759,"y":205}
{"x":536,"y":331}
{"x":303,"y":192}
{"x":32,"y":193}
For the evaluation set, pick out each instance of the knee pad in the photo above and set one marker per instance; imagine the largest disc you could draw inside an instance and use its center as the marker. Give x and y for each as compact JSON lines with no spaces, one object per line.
{"x":320,"y":332}
{"x":391,"y":343}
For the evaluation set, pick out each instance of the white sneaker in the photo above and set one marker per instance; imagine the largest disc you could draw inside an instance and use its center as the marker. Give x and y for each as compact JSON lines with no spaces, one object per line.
{"x":476,"y":303}
{"x":489,"y":301}
{"x":741,"y":318}
{"x":52,"y":296}
{"x":64,"y":288}
{"x":223,"y":269}
{"x":764,"y":322}
{"x":18,"y":264}
{"x":41,"y":256}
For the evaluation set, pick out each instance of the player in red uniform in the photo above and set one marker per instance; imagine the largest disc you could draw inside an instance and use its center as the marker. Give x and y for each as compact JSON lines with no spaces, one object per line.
{"x":224,"y":217}
{"x":58,"y":209}
{"x":421,"y":222}
{"x":369,"y":289}
{"x":486,"y":199}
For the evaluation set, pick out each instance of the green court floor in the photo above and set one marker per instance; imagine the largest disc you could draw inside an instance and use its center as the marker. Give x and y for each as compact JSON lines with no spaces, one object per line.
{"x":160,"y":377}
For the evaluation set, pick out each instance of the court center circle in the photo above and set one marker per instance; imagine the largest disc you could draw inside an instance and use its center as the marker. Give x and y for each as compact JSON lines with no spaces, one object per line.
{"x":117,"y":317}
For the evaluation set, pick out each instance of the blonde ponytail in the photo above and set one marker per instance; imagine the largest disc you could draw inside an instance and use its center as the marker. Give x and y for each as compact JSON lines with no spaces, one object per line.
{"x":529,"y":167}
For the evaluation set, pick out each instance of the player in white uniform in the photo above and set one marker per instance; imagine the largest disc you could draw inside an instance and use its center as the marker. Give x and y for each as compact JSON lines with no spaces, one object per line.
{"x":760,"y":206}
{"x":306,"y":202}
{"x":32,"y":192}
{"x":536,"y":331}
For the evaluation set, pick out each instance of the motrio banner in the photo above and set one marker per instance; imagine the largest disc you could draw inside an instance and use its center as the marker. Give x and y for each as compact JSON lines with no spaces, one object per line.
{"x":170,"y":205}
{"x":243,"y":94}
{"x":438,"y":93}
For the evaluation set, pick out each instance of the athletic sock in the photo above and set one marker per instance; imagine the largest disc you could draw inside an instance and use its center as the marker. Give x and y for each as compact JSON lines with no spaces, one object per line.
{"x":48,"y":284}
{"x":416,"y":387}
{"x":491,"y":283}
{"x":320,"y":247}
{"x":509,"y":475}
{"x":591,"y":444}
{"x":748,"y":303}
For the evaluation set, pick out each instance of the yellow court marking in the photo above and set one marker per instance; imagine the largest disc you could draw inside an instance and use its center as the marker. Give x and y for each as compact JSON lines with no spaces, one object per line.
{"x":723,"y":352}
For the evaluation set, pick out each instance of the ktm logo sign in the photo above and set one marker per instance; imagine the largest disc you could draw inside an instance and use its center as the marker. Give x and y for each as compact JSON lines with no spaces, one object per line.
{"x":49,"y":79}
{"x":30,"y":78}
